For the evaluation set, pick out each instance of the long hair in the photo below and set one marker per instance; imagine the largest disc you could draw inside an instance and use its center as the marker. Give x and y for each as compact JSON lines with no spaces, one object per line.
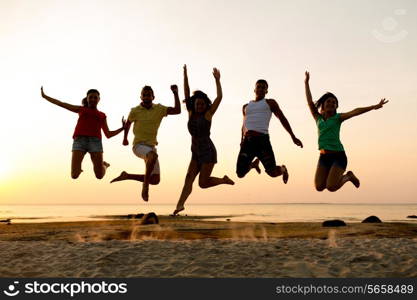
{"x":320,"y":103}
{"x":84,"y":101}
{"x":198,"y":95}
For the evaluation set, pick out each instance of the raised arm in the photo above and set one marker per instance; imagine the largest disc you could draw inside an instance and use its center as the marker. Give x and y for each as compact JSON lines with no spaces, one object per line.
{"x":186,"y":85}
{"x":310,"y":102}
{"x":73,"y":108}
{"x":186,"y":90}
{"x":280,"y":115}
{"x":362,"y":110}
{"x":177,"y":108}
{"x":216,"y":102}
{"x":109,"y":133}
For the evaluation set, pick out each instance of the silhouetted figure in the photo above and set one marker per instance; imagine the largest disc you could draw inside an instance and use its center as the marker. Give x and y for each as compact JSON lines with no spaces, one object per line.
{"x":332,"y":161}
{"x":87,"y":134}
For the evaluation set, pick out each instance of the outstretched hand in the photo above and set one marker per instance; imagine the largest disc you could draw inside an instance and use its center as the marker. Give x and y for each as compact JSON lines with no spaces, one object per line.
{"x":174,"y":88}
{"x":185,"y":70}
{"x":297,"y":142}
{"x":216,"y":73}
{"x":381,"y":104}
{"x":307,"y":79}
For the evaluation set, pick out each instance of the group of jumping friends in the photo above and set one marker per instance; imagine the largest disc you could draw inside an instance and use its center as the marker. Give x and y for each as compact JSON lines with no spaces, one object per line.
{"x":255,"y":144}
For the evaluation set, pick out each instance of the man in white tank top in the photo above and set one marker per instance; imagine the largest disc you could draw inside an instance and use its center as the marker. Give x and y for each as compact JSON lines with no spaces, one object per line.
{"x":255,"y":138}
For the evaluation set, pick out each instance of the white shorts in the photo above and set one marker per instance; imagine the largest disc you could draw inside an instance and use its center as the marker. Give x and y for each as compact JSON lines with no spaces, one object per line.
{"x":141,"y":150}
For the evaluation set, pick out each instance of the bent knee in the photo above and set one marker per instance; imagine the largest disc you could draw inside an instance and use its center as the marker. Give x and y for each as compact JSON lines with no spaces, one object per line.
{"x":99,"y":175}
{"x":240,"y":174}
{"x":332,"y":188}
{"x":75,"y":176}
{"x":152,"y":155}
{"x":203,"y":184}
{"x":155,"y":179}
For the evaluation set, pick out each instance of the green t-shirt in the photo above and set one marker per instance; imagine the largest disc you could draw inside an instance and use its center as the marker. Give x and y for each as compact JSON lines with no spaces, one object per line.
{"x":329,"y":131}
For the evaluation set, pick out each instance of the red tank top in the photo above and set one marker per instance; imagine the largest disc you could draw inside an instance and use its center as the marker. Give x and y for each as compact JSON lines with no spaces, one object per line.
{"x":89,"y":123}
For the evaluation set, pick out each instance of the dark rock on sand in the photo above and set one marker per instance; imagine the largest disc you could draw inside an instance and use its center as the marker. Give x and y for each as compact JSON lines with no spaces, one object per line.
{"x":412,"y":217}
{"x":150,"y":218}
{"x":7,"y":221}
{"x":333,"y":223}
{"x":372,"y":219}
{"x":133,"y":216}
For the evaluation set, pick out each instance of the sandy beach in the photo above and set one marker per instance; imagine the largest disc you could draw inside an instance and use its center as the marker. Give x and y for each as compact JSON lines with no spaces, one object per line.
{"x":192,"y":247}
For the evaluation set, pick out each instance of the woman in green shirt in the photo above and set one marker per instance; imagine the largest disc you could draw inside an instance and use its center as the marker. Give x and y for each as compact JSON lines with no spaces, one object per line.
{"x":333,"y":161}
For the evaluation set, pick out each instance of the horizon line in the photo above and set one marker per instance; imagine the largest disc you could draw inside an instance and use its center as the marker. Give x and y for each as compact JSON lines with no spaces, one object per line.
{"x":239,"y":203}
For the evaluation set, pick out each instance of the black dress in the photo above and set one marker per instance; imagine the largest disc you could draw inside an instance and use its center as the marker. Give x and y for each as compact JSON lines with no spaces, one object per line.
{"x":202,"y":148}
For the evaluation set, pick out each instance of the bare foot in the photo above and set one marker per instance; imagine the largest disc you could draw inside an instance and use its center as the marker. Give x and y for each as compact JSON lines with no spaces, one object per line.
{"x":145,"y":192}
{"x":255,"y":165}
{"x":176,"y":211}
{"x":106,"y":164}
{"x":122,"y":176}
{"x":354,"y":179}
{"x":285,"y":174}
{"x":227,"y":180}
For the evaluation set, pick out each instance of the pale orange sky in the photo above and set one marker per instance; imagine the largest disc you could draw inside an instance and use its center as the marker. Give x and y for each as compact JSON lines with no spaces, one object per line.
{"x":360,"y":51}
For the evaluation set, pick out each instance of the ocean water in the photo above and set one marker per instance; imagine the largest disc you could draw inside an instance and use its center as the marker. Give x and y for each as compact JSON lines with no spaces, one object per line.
{"x":283,"y":212}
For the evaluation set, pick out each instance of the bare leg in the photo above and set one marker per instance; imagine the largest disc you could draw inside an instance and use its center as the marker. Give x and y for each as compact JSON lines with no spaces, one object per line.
{"x":320,"y":180}
{"x":278,"y":171}
{"x":336,"y":179}
{"x":150,"y":161}
{"x":192,"y":172}
{"x":126,"y":176}
{"x":206,"y":181}
{"x":155,"y":178}
{"x":353,"y":179}
{"x":77,"y":159}
{"x":100,"y":166}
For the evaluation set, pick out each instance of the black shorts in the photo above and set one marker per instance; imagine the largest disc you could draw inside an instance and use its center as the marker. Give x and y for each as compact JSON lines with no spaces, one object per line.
{"x":255,"y":146}
{"x":338,"y":159}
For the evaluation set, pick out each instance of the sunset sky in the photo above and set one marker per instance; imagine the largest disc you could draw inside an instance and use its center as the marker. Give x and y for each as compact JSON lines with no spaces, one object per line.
{"x":360,"y":50}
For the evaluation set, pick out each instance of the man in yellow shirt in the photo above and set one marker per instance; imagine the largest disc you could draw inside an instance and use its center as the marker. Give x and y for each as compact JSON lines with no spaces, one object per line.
{"x":146,"y":118}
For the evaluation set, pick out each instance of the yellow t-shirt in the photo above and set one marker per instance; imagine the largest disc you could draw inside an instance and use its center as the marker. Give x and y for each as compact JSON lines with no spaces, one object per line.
{"x":146,"y":123}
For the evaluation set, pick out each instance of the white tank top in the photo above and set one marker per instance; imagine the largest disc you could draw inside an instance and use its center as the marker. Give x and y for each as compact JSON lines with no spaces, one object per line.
{"x":257,"y":116}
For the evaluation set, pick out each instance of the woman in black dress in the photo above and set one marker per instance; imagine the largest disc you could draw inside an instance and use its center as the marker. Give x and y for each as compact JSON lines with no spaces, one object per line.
{"x":204,"y":155}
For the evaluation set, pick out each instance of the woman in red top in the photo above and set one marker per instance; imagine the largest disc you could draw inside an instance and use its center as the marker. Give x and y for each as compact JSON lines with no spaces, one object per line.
{"x":87,"y":134}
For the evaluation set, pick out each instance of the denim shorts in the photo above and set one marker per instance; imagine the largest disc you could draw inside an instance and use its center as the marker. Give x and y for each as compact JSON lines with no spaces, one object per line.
{"x":87,"y":144}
